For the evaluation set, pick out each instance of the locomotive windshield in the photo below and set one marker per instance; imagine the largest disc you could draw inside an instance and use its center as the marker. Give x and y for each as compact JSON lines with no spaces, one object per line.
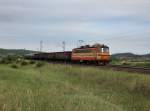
{"x":104,"y":49}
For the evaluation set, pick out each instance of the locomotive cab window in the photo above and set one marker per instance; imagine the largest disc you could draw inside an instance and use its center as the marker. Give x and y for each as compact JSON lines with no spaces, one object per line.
{"x":104,"y":49}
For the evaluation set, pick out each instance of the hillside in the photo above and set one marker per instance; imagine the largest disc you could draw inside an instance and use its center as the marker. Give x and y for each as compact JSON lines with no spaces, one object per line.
{"x":131,"y":56}
{"x":6,"y":52}
{"x":147,"y":55}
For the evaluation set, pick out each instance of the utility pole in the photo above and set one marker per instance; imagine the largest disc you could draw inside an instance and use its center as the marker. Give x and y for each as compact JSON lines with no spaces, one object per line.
{"x":41,"y":46}
{"x":63,"y":45}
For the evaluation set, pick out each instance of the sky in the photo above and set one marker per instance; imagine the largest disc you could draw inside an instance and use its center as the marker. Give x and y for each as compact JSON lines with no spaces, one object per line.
{"x":123,"y":25}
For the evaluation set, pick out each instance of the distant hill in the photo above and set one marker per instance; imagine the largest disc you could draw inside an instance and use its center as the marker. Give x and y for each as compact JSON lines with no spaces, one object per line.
{"x":6,"y":52}
{"x":131,"y":56}
{"x":147,"y":55}
{"x":125,"y":55}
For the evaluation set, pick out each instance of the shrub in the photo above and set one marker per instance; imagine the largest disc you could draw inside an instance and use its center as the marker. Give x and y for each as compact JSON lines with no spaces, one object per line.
{"x":32,"y":62}
{"x":18,"y":60}
{"x":14,"y":66}
{"x":23,"y":63}
{"x":124,"y":63}
{"x":147,"y":64}
{"x":5,"y":61}
{"x":40,"y":64}
{"x":9,"y":59}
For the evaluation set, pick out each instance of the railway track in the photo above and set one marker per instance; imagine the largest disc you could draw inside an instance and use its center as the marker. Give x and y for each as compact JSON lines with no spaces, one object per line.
{"x":140,"y":70}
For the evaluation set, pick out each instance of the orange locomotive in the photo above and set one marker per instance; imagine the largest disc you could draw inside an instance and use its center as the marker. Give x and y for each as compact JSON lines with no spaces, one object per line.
{"x":97,"y":53}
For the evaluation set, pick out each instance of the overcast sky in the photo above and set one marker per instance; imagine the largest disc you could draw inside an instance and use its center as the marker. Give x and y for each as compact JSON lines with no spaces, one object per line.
{"x":123,"y":25}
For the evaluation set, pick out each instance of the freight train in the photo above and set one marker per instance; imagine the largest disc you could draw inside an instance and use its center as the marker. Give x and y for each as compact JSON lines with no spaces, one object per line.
{"x":97,"y":54}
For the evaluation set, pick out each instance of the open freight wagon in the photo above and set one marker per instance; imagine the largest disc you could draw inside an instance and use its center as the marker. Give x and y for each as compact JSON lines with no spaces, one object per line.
{"x":59,"y":56}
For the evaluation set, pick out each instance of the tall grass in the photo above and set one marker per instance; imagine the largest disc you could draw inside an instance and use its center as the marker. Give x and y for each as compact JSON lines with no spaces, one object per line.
{"x":52,"y":87}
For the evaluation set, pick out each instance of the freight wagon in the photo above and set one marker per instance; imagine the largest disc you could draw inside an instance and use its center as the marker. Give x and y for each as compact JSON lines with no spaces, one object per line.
{"x":59,"y":56}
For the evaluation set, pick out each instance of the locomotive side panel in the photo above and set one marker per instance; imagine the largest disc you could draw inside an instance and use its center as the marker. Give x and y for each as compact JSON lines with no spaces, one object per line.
{"x":97,"y":54}
{"x":86,"y":54}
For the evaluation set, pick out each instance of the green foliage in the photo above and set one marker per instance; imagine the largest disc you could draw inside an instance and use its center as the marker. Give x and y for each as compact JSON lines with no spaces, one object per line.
{"x":130,"y":59}
{"x":114,"y":60}
{"x":6,"y":60}
{"x":14,"y":60}
{"x":130,"y":62}
{"x":24,"y":62}
{"x":14,"y":52}
{"x":40,"y":64}
{"x":147,"y":64}
{"x":10,"y":59}
{"x":32,"y":62}
{"x":15,"y":66}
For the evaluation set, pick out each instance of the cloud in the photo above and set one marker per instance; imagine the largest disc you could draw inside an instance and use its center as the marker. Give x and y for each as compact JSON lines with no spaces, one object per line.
{"x":74,"y":10}
{"x":29,"y":21}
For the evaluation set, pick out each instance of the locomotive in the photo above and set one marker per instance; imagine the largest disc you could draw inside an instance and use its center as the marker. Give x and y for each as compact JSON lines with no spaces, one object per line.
{"x":97,"y":54}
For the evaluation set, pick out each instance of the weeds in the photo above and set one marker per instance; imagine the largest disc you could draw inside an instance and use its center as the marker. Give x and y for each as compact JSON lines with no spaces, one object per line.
{"x":32,"y":62}
{"x":15,"y":66}
{"x":40,"y":64}
{"x":71,"y":88}
{"x":23,"y":63}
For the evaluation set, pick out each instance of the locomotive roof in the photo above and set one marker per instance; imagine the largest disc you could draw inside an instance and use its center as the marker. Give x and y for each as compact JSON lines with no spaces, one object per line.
{"x":53,"y":52}
{"x":96,"y":46}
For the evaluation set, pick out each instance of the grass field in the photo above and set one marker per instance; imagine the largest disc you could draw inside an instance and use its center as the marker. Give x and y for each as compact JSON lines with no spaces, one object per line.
{"x":71,"y":88}
{"x":136,"y":63}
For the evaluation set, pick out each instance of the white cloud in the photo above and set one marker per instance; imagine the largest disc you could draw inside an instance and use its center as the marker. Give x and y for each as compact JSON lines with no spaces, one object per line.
{"x":57,"y":20}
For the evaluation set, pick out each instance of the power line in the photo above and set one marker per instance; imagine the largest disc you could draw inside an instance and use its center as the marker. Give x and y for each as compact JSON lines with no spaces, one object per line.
{"x":80,"y":43}
{"x":41,"y":46}
{"x":63,"y":45}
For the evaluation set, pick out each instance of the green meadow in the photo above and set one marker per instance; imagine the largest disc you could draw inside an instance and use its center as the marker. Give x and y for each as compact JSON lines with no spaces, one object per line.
{"x":53,"y":87}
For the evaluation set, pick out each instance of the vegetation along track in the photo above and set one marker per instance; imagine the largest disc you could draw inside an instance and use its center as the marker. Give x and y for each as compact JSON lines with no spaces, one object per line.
{"x":141,"y":70}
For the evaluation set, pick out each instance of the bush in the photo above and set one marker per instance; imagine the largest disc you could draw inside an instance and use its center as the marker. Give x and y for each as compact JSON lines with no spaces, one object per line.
{"x":18,"y":60}
{"x":9,"y":59}
{"x":124,"y":63}
{"x":147,"y":64}
{"x":14,"y":66}
{"x":5,"y":61}
{"x":40,"y":64}
{"x":32,"y":62}
{"x":23,"y":63}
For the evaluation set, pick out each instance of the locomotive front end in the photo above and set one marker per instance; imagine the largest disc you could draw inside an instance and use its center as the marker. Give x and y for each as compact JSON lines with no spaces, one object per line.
{"x":103,"y":55}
